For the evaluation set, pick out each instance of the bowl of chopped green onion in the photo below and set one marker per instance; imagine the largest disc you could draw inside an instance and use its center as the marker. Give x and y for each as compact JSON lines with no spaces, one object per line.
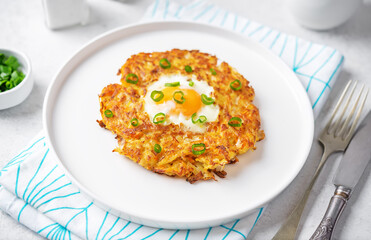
{"x":15,"y":78}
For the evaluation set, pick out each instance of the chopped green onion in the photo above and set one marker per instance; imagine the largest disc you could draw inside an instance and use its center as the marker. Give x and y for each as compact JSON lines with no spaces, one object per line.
{"x":188,"y":69}
{"x":191,"y":84}
{"x":232,"y":85}
{"x":235,"y":122}
{"x":9,"y":74}
{"x":212,"y":70}
{"x":12,"y":62}
{"x":5,"y":70}
{"x":162,"y":119}
{"x":134,"y":122}
{"x":132,"y":78}
{"x":157,"y":148}
{"x":198,"y":145}
{"x":9,"y":85}
{"x":182,"y":99}
{"x":159,"y":94}
{"x":173,"y":84}
{"x":164,"y":63}
{"x":108,"y":113}
{"x":207,"y":100}
{"x":201,"y":119}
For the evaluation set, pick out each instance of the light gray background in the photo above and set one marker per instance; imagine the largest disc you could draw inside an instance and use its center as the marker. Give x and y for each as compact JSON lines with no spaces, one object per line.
{"x":22,"y":27}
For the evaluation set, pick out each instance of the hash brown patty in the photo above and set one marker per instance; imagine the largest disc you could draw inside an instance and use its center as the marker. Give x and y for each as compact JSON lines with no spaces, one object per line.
{"x":222,"y":142}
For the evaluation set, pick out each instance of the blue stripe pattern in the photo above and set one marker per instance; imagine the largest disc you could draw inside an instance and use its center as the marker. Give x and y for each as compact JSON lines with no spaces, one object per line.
{"x":207,"y":9}
{"x":245,"y":27}
{"x":328,"y":82}
{"x":231,"y":229}
{"x":319,"y":69}
{"x":176,"y":15}
{"x":256,"y":220}
{"x":208,"y":232}
{"x":275,"y":40}
{"x":256,"y":30}
{"x":224,"y":18}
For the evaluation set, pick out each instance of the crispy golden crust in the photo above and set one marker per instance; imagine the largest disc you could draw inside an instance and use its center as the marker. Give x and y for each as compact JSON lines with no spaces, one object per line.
{"x":222,"y":141}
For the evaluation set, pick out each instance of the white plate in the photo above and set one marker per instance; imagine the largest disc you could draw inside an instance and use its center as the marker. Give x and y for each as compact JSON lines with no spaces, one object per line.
{"x":116,"y":183}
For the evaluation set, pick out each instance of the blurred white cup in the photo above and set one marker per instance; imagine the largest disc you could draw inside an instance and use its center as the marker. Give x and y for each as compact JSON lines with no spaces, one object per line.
{"x":322,"y":14}
{"x":65,"y":13}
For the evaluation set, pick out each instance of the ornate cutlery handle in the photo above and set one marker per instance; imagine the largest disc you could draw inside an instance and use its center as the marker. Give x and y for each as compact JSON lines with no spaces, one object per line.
{"x":334,"y":209}
{"x":289,"y":228}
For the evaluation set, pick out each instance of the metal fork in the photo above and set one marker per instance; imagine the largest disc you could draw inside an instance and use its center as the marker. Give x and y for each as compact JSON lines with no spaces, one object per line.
{"x":335,"y":137}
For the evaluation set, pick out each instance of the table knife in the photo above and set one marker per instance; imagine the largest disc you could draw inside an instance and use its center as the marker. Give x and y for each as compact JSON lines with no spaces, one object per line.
{"x":349,"y":171}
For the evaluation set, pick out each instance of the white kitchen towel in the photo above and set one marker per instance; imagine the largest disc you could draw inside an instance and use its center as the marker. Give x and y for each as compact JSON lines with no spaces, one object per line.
{"x":36,"y":192}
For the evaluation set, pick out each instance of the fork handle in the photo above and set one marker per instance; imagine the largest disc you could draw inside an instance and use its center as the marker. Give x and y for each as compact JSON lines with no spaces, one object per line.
{"x":289,"y":228}
{"x":335,"y":208}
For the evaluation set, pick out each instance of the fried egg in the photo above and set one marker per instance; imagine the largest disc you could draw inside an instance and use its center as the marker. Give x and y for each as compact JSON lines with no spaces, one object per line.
{"x":181,"y":112}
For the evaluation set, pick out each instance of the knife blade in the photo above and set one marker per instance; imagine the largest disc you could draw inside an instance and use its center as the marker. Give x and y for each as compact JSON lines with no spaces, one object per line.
{"x":356,"y":157}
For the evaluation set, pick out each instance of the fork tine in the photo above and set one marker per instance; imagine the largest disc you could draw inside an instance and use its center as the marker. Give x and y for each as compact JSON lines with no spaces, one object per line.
{"x":340,"y":118}
{"x":353,"y":127}
{"x":337,"y":106}
{"x":345,"y":125}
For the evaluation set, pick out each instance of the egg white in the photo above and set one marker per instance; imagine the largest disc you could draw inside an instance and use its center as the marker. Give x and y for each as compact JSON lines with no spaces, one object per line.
{"x":211,"y":112}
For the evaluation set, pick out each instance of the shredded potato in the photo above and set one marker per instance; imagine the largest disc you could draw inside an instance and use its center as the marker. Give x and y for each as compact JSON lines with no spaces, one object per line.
{"x":223,"y":142}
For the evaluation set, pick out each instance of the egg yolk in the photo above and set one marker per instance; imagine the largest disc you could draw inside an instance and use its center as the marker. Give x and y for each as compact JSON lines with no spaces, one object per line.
{"x":191,"y":104}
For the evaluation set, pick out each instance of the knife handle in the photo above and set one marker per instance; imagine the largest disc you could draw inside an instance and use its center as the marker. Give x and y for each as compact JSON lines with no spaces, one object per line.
{"x":334,"y":209}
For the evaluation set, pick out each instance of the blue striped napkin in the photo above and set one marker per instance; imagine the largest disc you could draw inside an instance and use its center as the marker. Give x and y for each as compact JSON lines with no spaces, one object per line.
{"x":36,"y":192}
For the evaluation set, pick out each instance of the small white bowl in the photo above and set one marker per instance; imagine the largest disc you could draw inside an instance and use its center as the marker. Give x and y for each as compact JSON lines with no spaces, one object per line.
{"x":19,"y":93}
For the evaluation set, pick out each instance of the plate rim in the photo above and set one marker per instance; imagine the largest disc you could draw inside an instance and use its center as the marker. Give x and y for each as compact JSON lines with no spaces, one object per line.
{"x":48,"y":100}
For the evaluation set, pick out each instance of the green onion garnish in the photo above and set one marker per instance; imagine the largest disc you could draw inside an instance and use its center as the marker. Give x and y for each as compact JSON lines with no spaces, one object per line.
{"x":173,"y":84}
{"x":9,"y":74}
{"x":181,"y":100}
{"x":9,"y":85}
{"x":188,"y":69}
{"x":191,"y":84}
{"x":108,"y":113}
{"x":157,"y":148}
{"x":212,"y":70}
{"x":198,"y":145}
{"x":164,"y":63}
{"x":161,"y":116}
{"x":134,"y":122}
{"x":132,"y":78}
{"x":233,"y":85}
{"x":201,"y":119}
{"x":235,"y":122}
{"x":207,"y":100}
{"x":159,"y":94}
